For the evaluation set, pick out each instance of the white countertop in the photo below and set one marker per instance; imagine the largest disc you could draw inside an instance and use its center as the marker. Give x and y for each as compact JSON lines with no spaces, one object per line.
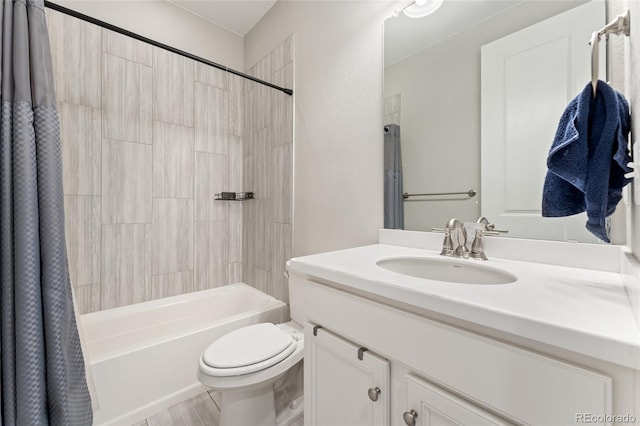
{"x":581,"y":310}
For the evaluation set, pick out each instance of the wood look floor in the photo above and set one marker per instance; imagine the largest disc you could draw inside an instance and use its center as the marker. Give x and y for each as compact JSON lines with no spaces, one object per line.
{"x":200,"y":410}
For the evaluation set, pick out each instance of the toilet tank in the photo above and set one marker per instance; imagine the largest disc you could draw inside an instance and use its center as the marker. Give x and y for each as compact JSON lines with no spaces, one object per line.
{"x":297,"y":290}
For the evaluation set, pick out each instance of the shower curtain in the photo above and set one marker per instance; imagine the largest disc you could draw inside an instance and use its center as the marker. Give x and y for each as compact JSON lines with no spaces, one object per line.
{"x":393,"y":200}
{"x":42,"y":373}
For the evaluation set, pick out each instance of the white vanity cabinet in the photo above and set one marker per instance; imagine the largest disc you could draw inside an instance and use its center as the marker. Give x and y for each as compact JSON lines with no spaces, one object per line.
{"x":347,"y":385}
{"x":440,"y":374}
{"x":430,"y":405}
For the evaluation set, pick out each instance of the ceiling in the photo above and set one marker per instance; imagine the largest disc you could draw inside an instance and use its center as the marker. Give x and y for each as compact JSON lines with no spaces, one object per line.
{"x":404,"y":36}
{"x":238,"y":16}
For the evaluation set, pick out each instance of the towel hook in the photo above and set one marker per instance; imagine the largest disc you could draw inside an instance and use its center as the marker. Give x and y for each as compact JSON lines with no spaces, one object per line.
{"x":620,"y":25}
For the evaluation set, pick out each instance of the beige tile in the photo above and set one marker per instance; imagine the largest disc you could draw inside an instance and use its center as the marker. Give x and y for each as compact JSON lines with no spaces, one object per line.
{"x":211,"y":254}
{"x":262,"y":95}
{"x":82,"y":234}
{"x":126,"y":264}
{"x":392,"y":104}
{"x":171,"y":284}
{"x":197,"y":411}
{"x":248,"y":248}
{"x":87,"y":298}
{"x":262,"y":163}
{"x":248,"y":127}
{"x":280,"y":253}
{"x":126,"y":100}
{"x":392,"y":109}
{"x":80,"y":134}
{"x":126,"y":182}
{"x":262,"y":106}
{"x":234,"y":231}
{"x":282,"y":108}
{"x":236,"y":104}
{"x":392,"y":118}
{"x":261,"y":238}
{"x":262,"y":69}
{"x":211,"y":177}
{"x":282,"y":55}
{"x":262,"y":281}
{"x":211,"y":126}
{"x":281,"y":181}
{"x":248,"y":276}
{"x":211,"y":76}
{"x":173,"y":79}
{"x":235,"y":163}
{"x":172,"y":235}
{"x":76,"y":58}
{"x":235,"y":273}
{"x":125,"y":47}
{"x":248,"y":175}
{"x":250,"y":85}
{"x":173,"y":161}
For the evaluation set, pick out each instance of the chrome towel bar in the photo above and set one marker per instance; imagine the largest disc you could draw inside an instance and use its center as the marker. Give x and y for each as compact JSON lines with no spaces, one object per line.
{"x":620,"y":25}
{"x":470,"y":193}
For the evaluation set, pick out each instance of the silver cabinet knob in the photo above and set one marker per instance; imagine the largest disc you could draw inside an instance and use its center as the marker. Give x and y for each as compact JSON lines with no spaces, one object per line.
{"x":373,"y":393}
{"x":410,"y":417}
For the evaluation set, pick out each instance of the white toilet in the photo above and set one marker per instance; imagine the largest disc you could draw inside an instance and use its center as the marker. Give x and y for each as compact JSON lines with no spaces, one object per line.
{"x":244,"y":364}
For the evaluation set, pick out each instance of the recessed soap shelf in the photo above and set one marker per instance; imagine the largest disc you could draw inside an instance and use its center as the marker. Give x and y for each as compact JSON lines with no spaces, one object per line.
{"x":233,"y":196}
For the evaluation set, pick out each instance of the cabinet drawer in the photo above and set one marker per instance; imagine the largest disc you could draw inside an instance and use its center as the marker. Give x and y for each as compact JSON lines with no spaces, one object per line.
{"x":523,"y":386}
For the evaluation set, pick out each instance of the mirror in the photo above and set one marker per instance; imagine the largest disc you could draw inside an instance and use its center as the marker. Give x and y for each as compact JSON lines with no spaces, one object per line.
{"x":476,"y":91}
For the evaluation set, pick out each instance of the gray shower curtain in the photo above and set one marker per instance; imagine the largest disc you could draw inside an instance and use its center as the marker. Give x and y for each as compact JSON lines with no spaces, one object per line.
{"x":42,"y":373}
{"x":393,"y":200}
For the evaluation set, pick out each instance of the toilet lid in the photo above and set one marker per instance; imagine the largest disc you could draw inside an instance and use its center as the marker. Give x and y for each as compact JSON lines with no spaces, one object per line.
{"x":246,"y":346}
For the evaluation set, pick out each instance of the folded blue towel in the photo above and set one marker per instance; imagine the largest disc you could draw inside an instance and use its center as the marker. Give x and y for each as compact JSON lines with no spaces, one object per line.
{"x":588,"y":159}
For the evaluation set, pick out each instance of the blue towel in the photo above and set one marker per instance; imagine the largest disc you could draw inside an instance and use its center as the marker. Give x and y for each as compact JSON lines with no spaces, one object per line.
{"x":588,"y":159}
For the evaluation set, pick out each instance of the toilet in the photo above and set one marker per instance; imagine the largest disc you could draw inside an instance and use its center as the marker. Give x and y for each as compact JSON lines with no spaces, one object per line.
{"x":244,"y":364}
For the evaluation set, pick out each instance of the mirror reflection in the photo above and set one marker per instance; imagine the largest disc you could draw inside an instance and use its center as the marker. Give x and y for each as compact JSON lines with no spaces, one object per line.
{"x":473,"y":93}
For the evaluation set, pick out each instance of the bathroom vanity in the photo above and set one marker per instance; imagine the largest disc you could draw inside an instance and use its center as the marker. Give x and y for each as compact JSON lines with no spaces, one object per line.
{"x":560,"y":345}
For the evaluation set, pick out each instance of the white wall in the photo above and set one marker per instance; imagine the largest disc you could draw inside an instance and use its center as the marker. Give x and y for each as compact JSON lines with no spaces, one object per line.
{"x":164,"y":22}
{"x":338,"y":117}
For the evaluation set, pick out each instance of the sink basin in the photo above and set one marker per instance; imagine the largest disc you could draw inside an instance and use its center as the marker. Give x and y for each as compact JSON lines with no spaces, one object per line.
{"x":449,"y":270}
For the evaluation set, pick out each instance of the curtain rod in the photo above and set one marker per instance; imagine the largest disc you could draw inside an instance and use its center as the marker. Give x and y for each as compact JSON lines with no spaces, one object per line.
{"x":127,"y":33}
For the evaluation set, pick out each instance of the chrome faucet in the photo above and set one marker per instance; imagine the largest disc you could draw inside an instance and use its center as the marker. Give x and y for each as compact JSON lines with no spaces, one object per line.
{"x":461,"y":249}
{"x":484,"y":221}
{"x":477,"y":248}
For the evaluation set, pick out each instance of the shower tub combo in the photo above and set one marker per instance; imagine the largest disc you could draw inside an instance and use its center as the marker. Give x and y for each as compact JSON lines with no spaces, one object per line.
{"x":144,"y":357}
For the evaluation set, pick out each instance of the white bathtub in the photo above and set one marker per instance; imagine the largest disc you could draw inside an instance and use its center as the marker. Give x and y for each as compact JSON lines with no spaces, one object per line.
{"x":144,"y":357}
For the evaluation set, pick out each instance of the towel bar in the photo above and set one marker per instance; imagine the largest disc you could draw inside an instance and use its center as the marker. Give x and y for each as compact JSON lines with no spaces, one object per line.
{"x":620,"y":25}
{"x":470,"y":193}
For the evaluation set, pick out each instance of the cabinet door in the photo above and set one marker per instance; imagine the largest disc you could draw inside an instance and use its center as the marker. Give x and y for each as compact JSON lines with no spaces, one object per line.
{"x":340,"y":388}
{"x":429,"y":405}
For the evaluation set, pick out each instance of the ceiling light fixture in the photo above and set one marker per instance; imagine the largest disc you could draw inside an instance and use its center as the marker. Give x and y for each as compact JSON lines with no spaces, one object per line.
{"x":420,"y":8}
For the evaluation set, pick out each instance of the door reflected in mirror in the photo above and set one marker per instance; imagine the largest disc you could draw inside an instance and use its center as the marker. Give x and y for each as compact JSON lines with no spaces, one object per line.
{"x":475,"y":93}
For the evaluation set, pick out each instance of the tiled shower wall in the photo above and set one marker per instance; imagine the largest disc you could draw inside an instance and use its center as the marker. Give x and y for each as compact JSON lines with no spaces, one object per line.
{"x":148,"y":137}
{"x":268,"y":170}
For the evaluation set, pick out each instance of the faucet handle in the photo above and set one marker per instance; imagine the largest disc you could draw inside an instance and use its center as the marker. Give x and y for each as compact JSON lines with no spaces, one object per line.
{"x":447,"y":244}
{"x":461,"y":250}
{"x":477,"y":248}
{"x":490,"y":227}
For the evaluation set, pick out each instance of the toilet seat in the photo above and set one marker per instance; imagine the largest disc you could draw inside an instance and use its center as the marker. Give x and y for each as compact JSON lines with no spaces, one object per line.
{"x":247,"y":350}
